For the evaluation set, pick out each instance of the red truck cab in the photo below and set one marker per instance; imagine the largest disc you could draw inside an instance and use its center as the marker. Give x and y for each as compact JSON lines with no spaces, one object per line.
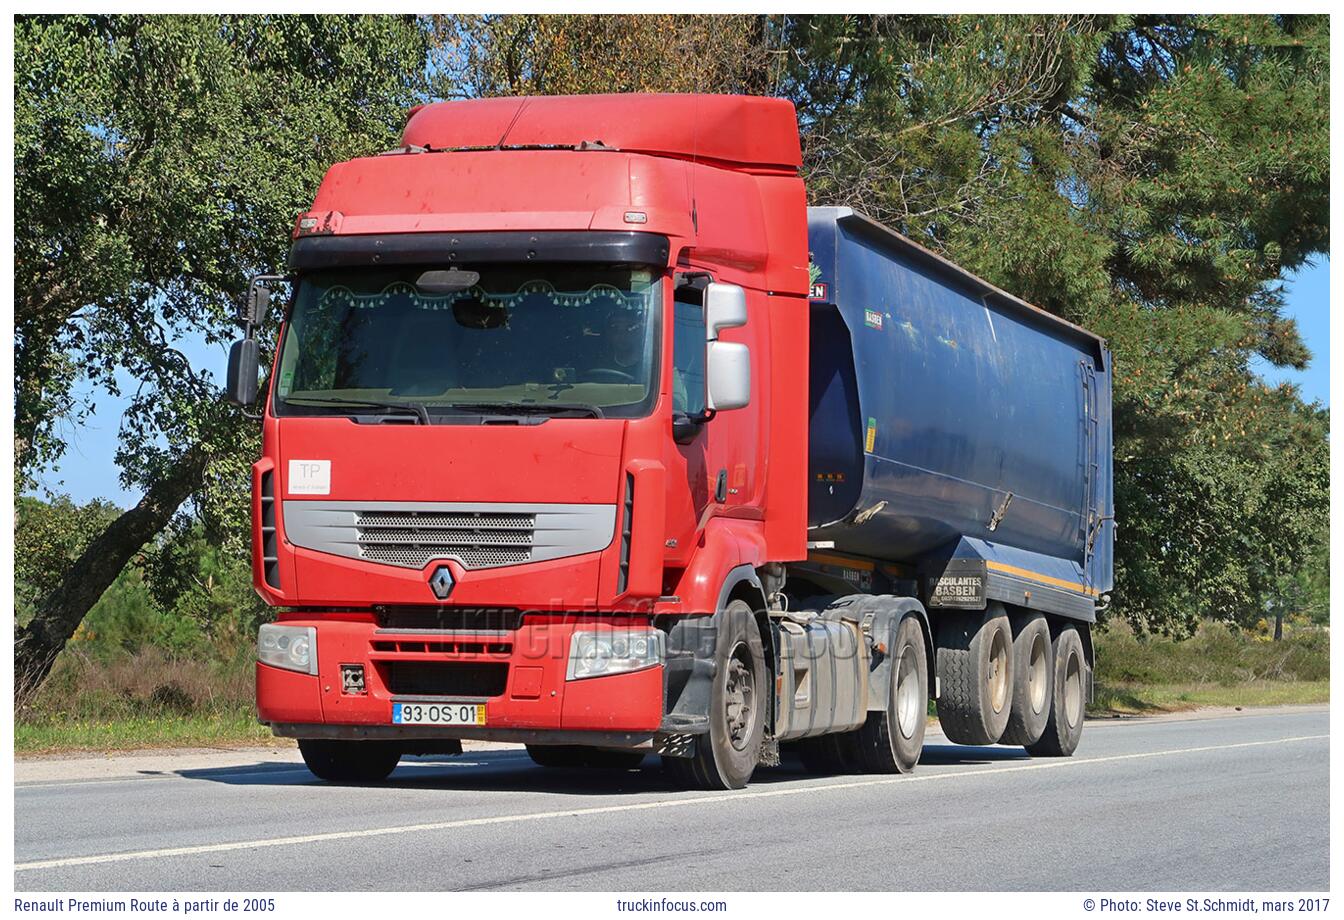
{"x":538,"y":408}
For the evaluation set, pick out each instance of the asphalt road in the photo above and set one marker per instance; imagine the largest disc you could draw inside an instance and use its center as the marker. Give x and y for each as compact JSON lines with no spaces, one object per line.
{"x":1229,"y":803}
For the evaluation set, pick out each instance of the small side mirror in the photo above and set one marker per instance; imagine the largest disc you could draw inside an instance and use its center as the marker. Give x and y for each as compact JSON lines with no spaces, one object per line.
{"x":258,"y":302}
{"x":241,"y":388}
{"x":725,"y":308}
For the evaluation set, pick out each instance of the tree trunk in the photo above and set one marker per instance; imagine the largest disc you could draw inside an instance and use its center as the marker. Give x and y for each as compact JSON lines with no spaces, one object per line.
{"x":1278,"y":624}
{"x":60,"y":612}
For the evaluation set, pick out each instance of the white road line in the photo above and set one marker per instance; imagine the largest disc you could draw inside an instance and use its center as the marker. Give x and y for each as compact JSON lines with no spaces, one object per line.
{"x":717,"y":799}
{"x":934,"y":738}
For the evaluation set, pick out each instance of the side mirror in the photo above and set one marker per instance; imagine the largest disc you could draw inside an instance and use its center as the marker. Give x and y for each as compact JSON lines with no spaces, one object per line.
{"x":241,"y":388}
{"x":727,"y":364}
{"x":725,"y":308}
{"x":258,"y":302}
{"x":728,"y":374}
{"x":259,"y":299}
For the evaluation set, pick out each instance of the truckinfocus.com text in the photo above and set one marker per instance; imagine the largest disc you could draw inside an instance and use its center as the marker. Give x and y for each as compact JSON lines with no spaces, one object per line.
{"x":666,"y":905}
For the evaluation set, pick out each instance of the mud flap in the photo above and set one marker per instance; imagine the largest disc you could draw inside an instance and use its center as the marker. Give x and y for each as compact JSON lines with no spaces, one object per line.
{"x":688,"y":675}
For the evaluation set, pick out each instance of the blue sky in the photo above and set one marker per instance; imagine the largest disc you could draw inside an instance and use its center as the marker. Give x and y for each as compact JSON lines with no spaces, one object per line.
{"x":1309,"y":304}
{"x":89,"y":470}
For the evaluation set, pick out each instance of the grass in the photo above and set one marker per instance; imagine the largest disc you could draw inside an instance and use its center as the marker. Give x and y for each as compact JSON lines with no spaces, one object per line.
{"x":196,"y":730}
{"x":149,"y":699}
{"x":1177,"y":697}
{"x":1215,"y":667}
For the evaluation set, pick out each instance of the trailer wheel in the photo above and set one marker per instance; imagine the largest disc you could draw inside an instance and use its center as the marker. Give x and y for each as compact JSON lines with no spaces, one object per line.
{"x":891,"y":741}
{"x":975,"y":670}
{"x":574,"y":755}
{"x":349,"y":761}
{"x":726,"y":756}
{"x":1065,"y":726}
{"x":1033,"y":680}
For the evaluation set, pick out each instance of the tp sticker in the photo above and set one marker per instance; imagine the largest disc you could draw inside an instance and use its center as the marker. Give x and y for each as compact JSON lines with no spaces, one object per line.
{"x":310,"y":477}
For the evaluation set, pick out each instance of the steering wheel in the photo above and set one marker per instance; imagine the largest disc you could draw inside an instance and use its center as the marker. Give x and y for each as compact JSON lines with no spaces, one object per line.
{"x":608,"y":375}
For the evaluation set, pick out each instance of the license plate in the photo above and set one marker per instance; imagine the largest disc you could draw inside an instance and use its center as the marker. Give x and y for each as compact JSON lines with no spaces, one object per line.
{"x":438,"y":713}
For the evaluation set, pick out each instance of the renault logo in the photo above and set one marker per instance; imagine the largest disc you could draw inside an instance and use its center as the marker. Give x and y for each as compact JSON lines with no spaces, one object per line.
{"x":441,"y":582}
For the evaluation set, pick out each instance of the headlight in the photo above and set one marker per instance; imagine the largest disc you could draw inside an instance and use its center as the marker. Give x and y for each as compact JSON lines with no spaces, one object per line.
{"x":613,"y":651}
{"x":291,"y":647}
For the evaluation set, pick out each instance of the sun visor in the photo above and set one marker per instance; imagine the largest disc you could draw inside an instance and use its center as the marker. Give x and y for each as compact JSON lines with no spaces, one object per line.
{"x":736,"y":131}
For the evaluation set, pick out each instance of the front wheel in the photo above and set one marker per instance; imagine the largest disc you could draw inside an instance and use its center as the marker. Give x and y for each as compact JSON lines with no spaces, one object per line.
{"x":726,"y":756}
{"x":349,"y":761}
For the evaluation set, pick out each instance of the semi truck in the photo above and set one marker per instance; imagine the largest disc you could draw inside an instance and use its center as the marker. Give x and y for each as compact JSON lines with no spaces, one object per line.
{"x":583,"y":431}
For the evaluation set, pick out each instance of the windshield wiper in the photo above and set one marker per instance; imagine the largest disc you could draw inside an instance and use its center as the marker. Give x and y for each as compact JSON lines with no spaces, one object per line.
{"x":519,"y":408}
{"x":419,"y":410}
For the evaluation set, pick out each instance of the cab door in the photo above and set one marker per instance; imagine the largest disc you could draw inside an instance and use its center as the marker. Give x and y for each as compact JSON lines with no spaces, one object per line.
{"x":718,"y":457}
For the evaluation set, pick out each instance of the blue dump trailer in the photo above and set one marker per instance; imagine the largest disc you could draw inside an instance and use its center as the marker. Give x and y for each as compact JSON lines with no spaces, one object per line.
{"x":960,"y":456}
{"x":953,"y":424}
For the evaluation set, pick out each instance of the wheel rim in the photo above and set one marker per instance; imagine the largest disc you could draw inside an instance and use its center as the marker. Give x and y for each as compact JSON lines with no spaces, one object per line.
{"x":998,"y":671}
{"x":907,"y":693}
{"x":1037,"y":673}
{"x":1073,"y":689}
{"x":739,"y":697}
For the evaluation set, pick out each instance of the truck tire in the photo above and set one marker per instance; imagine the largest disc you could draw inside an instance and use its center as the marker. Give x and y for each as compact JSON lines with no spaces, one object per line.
{"x":1033,"y":680}
{"x":726,"y":755}
{"x":891,"y":741}
{"x":573,"y":755}
{"x":349,"y":761}
{"x":975,"y":671}
{"x":1065,"y":726}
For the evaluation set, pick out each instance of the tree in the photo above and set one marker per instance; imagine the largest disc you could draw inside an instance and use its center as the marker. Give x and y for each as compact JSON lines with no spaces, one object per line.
{"x":498,"y":55}
{"x":160,"y":161}
{"x":1305,"y":594}
{"x":48,"y":538}
{"x":1151,"y":177}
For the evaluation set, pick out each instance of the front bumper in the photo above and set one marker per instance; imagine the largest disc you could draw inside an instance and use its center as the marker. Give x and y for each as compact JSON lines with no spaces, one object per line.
{"x":518,"y":674}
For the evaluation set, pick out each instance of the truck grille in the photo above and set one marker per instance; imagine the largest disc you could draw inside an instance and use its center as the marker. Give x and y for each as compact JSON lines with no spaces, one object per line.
{"x":478,"y":540}
{"x":480,"y":536}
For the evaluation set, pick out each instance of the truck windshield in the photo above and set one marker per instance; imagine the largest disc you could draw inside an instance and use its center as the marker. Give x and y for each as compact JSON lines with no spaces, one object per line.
{"x":524,"y":339}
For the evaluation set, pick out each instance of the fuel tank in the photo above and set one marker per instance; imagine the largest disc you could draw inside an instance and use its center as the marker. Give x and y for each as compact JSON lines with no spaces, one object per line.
{"x":946,"y":412}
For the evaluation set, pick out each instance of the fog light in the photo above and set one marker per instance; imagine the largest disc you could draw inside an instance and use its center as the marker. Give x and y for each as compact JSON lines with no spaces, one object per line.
{"x":293,"y":648}
{"x":352,"y":679}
